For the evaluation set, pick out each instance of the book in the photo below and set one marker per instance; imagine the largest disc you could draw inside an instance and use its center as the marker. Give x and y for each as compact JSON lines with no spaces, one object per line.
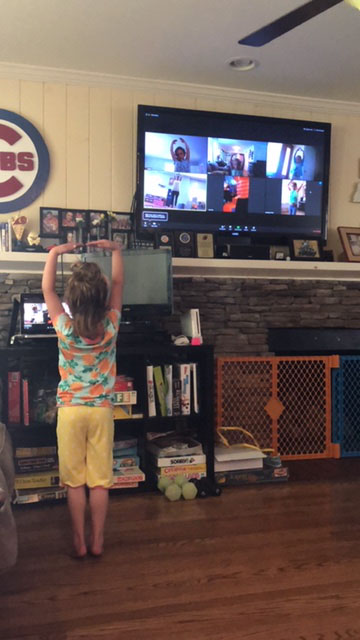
{"x":237,"y":452}
{"x":25,"y":452}
{"x":183,"y":372}
{"x":173,"y":444}
{"x":125,"y":397}
{"x":234,"y":465}
{"x":35,"y":480}
{"x":254,"y":476}
{"x":168,"y":376}
{"x":122,"y":411}
{"x":185,"y":469}
{"x":26,"y":496}
{"x":150,"y":390}
{"x":197,"y":475}
{"x":160,"y":389}
{"x":176,"y":405}
{"x":25,"y":391}
{"x":123,"y":383}
{"x":128,"y":485}
{"x":128,"y":451}
{"x":125,"y":475}
{"x":125,"y":443}
{"x":125,"y":462}
{"x":194,"y":387}
{"x":14,"y":402}
{"x":237,"y":457}
{"x":175,"y":461}
{"x":33,"y":464}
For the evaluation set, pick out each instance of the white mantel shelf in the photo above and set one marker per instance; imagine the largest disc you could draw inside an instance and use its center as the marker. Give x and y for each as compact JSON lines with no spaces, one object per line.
{"x":33,"y":263}
{"x":280,"y":269}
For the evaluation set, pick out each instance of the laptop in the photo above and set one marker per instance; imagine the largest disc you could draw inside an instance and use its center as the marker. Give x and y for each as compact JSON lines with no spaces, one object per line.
{"x":35,"y":321}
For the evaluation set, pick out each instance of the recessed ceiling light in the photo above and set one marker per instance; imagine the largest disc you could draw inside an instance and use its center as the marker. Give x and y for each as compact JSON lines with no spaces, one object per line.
{"x":243,"y":64}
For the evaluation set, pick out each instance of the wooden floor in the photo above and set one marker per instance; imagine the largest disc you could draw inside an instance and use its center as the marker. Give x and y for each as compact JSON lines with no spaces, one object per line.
{"x":259,"y":563}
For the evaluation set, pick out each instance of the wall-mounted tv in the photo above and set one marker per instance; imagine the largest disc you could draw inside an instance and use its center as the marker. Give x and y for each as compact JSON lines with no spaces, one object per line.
{"x":231,"y":174}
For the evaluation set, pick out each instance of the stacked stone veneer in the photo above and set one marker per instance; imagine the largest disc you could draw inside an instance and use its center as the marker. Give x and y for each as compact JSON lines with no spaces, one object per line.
{"x":235,"y":313}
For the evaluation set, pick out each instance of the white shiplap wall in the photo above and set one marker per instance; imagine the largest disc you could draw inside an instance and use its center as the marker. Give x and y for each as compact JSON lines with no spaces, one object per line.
{"x":89,"y":125}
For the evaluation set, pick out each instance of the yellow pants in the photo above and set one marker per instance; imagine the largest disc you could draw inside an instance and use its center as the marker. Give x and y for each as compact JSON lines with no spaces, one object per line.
{"x":85,"y":445}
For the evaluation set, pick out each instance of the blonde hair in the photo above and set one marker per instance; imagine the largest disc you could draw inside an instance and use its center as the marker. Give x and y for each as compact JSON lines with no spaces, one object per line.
{"x":86,"y":294}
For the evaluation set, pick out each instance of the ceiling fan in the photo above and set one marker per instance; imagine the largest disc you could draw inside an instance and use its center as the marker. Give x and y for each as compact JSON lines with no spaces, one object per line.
{"x":291,"y":20}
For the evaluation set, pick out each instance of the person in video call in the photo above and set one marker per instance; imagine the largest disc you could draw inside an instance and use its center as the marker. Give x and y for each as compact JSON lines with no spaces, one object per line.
{"x":180,"y":155}
{"x":236,"y":166}
{"x":297,"y":169}
{"x":175,"y":191}
{"x":293,"y":197}
{"x":87,"y":367}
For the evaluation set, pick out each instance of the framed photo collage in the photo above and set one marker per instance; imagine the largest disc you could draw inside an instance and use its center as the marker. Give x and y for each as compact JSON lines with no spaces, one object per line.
{"x":80,"y":225}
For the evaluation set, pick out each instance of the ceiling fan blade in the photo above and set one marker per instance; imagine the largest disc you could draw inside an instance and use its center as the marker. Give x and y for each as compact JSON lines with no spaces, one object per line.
{"x":288,"y":22}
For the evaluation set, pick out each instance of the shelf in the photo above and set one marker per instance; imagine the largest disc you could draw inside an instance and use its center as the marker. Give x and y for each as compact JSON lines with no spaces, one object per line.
{"x":301,"y":270}
{"x":33,"y":263}
{"x":26,"y":262}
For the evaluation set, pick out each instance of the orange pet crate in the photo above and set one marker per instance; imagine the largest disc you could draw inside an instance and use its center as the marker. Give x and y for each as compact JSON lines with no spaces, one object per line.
{"x":284,"y":402}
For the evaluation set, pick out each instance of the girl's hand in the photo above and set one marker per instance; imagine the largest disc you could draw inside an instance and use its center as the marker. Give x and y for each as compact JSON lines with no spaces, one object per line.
{"x":104,"y":244}
{"x":67,"y":247}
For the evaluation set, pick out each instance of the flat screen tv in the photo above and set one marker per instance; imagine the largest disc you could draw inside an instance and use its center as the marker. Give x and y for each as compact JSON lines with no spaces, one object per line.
{"x":148,"y":290}
{"x":231,"y":174}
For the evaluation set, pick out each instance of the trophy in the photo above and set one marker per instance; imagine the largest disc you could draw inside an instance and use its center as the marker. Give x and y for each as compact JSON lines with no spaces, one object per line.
{"x":18,"y":224}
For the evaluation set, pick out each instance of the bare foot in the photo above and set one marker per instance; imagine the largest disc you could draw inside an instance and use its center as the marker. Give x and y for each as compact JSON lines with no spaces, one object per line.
{"x":96,"y":548}
{"x":80,"y":549}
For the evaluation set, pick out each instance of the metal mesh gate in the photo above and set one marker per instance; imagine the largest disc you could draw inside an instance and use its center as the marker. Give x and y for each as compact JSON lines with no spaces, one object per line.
{"x":284,"y":402}
{"x":346,"y":405}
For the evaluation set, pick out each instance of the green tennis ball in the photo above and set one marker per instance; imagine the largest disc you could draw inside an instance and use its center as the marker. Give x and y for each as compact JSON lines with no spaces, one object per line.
{"x":173,"y":492}
{"x":180,"y":480}
{"x":189,"y":491}
{"x":163,"y":484}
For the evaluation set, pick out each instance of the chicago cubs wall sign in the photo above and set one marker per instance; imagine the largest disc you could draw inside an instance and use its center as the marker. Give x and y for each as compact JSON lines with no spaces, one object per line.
{"x":24,"y":162}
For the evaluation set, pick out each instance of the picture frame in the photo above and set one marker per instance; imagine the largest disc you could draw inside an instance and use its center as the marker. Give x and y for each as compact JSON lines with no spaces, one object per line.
{"x":50,"y":221}
{"x":122,"y":237}
{"x":68,"y":218}
{"x":305,"y":249}
{"x":68,"y":235}
{"x":350,"y":240}
{"x":121,"y":221}
{"x":97,"y":224}
{"x":279,"y":252}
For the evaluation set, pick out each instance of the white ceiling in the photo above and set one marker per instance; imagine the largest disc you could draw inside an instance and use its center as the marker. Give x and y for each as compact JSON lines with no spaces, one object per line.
{"x":189,"y":41}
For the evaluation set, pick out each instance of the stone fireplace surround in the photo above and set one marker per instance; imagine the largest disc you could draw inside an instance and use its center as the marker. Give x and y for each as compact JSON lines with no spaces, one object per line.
{"x":239,"y":301}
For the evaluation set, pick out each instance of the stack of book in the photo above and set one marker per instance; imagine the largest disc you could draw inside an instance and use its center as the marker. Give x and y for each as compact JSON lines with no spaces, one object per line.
{"x":174,"y":454}
{"x":125,"y":398}
{"x":37,"y":475}
{"x":127,"y":472}
{"x":172,"y":389}
{"x":5,"y":236}
{"x":31,"y":403}
{"x":236,"y":465}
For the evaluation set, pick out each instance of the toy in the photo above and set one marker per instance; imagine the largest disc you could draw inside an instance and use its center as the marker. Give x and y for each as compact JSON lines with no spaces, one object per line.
{"x":163,"y":484}
{"x":206,"y":488}
{"x":180,"y":480}
{"x":189,"y":491}
{"x":173,"y":492}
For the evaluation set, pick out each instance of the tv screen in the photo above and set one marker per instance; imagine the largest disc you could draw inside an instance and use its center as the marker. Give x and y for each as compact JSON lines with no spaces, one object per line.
{"x":148,"y":291}
{"x":231,"y":174}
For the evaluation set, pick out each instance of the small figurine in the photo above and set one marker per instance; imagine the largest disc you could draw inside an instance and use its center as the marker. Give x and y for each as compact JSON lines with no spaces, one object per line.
{"x":33,"y":239}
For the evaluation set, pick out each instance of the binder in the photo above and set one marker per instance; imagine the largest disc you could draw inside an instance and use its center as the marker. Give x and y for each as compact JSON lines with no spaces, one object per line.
{"x":183,"y":371}
{"x":168,"y":374}
{"x":150,"y":390}
{"x":160,"y":389}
